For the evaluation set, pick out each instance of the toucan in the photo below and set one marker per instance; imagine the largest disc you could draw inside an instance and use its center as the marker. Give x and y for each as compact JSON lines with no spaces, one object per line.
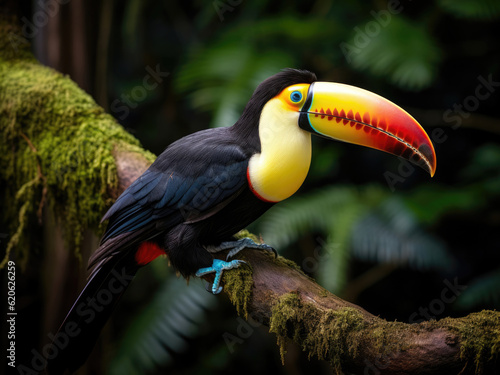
{"x":209,"y":185}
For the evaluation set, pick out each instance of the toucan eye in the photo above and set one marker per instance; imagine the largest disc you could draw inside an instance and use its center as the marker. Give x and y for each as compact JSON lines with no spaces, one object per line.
{"x":296,"y":96}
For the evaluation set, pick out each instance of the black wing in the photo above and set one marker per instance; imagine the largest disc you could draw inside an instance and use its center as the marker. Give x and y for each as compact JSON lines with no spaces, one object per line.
{"x":191,"y":180}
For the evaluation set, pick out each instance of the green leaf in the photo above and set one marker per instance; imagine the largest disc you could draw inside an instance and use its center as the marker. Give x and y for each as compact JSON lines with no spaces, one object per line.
{"x":484,"y":290}
{"x":333,"y":267}
{"x":220,"y":78}
{"x":476,"y":9}
{"x":401,"y":51}
{"x":430,"y":203}
{"x":391,"y":234}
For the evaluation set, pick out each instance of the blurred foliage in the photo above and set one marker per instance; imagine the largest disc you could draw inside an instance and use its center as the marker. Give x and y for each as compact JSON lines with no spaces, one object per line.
{"x":164,"y":326}
{"x":480,"y":9}
{"x":351,"y":221}
{"x":482,"y":292}
{"x":403,"y":51}
{"x":219,"y":76}
{"x":392,"y":234}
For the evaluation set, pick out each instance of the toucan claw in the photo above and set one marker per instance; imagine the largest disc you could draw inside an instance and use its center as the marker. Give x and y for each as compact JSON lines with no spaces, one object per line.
{"x":218,"y":266}
{"x":244,"y":243}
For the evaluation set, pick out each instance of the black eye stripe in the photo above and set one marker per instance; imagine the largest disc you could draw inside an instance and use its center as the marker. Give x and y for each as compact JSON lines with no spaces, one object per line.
{"x":309,"y":98}
{"x":303,"y":117}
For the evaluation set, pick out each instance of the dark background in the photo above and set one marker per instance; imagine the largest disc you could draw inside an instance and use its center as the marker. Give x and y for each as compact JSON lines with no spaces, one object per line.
{"x":372,"y":229}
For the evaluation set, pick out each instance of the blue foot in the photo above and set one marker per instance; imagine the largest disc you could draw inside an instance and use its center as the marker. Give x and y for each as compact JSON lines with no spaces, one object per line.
{"x":218,"y":266}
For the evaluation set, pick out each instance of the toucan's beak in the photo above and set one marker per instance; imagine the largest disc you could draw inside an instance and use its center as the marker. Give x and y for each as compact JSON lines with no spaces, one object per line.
{"x":354,"y":115}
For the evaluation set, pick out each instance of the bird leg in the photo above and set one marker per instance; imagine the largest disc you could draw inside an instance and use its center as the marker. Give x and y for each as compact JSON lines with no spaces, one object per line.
{"x":218,"y":266}
{"x":237,"y":246}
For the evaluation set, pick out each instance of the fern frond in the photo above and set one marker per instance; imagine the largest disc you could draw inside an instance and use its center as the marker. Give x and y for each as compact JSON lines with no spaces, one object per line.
{"x":401,"y":51}
{"x":320,"y":211}
{"x":483,"y":291}
{"x":391,"y":234}
{"x":174,"y":315}
{"x":332,"y":272}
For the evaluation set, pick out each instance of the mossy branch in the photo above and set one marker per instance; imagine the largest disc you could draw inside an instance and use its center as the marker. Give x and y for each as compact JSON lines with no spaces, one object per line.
{"x":60,"y":150}
{"x":354,"y":341}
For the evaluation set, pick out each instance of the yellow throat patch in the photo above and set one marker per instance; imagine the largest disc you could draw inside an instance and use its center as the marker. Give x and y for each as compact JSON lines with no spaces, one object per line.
{"x":283,"y":163}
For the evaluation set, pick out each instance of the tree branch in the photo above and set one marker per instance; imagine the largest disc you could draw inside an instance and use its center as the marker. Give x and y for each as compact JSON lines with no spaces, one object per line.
{"x":276,"y":293}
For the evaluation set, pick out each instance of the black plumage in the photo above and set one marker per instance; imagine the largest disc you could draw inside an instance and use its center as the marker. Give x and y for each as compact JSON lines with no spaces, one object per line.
{"x":184,"y":201}
{"x":194,"y":195}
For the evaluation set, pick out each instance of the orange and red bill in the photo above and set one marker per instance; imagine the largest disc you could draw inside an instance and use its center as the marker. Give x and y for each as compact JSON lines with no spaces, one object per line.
{"x":350,"y":114}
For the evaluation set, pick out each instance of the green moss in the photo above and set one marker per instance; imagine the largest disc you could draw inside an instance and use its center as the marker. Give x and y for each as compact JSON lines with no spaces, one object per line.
{"x":333,"y":335}
{"x":479,"y":335}
{"x":56,"y":146}
{"x":247,"y":234}
{"x":289,"y":263}
{"x":238,"y":284}
{"x":324,"y":334}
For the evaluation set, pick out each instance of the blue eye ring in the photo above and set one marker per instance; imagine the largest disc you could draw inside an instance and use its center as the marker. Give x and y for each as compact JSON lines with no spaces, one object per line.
{"x":296,"y":96}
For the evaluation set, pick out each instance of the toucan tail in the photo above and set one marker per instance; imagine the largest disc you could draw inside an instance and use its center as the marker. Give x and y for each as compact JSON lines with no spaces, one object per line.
{"x":78,"y":334}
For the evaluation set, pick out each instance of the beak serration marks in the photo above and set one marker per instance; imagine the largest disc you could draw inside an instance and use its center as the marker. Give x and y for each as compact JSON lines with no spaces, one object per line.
{"x":351,"y":118}
{"x":376,"y":126}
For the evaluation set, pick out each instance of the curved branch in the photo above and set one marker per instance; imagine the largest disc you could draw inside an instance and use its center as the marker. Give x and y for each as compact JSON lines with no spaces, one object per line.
{"x":276,"y":293}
